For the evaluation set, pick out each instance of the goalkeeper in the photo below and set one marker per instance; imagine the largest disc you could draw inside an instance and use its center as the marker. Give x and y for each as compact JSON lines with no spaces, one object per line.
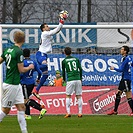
{"x":45,"y":48}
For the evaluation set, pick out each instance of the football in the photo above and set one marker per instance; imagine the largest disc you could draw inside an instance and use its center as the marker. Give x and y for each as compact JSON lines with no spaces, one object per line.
{"x":51,"y":83}
{"x":64,"y":14}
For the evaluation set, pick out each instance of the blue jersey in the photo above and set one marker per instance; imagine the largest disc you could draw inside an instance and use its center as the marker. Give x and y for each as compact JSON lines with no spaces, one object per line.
{"x":28,"y":78}
{"x":125,"y":67}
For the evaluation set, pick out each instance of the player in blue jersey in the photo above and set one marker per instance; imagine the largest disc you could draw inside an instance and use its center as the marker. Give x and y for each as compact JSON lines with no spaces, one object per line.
{"x":28,"y":82}
{"x":45,"y":48}
{"x":125,"y":83}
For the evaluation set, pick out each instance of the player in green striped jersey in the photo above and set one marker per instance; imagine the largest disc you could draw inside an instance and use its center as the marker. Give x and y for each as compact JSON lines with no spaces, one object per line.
{"x":12,"y":91}
{"x":72,"y":67}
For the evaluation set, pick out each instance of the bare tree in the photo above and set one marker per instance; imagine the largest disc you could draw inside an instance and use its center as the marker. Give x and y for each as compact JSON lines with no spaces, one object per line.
{"x":79,"y":10}
{"x":16,"y":12}
{"x":4,"y":11}
{"x":49,"y":11}
{"x":88,"y":10}
{"x":39,"y":11}
{"x":112,"y":11}
{"x":21,"y":7}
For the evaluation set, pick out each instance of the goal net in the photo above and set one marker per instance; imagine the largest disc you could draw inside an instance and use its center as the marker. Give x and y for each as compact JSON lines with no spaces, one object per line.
{"x":97,"y":46}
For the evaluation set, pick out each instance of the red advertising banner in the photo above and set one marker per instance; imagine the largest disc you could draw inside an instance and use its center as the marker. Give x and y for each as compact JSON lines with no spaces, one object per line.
{"x":96,"y":100}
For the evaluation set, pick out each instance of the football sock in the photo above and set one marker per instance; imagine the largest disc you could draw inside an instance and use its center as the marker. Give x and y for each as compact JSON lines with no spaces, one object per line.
{"x":80,"y":105}
{"x":34,"y":104}
{"x":130,"y":102}
{"x":42,"y":80}
{"x":27,"y":111}
{"x":22,"y":121}
{"x":117,"y":102}
{"x":68,"y":105}
{"x":24,"y":131}
{"x":2,"y":115}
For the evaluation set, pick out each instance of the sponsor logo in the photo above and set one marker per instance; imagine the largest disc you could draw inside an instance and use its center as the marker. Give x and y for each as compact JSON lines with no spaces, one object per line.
{"x":104,"y":102}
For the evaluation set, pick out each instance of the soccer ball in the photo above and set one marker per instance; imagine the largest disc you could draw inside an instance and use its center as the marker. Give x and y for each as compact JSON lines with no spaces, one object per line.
{"x":51,"y":83}
{"x":64,"y":14}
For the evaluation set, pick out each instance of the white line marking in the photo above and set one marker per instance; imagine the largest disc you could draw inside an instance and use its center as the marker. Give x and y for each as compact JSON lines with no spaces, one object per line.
{"x":57,"y":93}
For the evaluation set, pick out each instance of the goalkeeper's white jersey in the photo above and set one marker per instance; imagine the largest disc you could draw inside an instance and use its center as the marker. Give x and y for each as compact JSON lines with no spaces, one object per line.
{"x":47,"y":39}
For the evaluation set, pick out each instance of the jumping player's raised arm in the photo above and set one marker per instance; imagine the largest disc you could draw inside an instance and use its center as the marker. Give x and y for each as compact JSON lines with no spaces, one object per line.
{"x":56,"y":30}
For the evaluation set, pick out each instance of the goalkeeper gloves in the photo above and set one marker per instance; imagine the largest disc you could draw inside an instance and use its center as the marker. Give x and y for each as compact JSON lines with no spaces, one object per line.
{"x":61,"y":20}
{"x":63,"y":15}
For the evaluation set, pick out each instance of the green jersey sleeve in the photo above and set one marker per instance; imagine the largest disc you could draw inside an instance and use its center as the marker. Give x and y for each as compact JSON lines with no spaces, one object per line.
{"x":19,"y":56}
{"x":3,"y":55}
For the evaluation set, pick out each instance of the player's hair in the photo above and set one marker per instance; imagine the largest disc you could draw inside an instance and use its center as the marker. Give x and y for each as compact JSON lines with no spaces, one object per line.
{"x":67,"y":50}
{"x":126,"y":48}
{"x":19,"y":37}
{"x":26,"y":52}
{"x":42,"y":26}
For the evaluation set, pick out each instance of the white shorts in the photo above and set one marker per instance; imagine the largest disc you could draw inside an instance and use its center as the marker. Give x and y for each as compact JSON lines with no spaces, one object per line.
{"x":74,"y":86}
{"x":12,"y":94}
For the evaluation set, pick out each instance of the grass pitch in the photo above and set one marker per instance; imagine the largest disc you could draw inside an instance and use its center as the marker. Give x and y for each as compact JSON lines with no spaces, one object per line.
{"x":59,"y":124}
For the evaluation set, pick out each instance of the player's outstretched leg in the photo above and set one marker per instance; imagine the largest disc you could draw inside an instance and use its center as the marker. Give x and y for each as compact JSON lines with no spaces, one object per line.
{"x":36,"y":94}
{"x":37,"y":106}
{"x":36,"y":90}
{"x":42,"y":61}
{"x":42,"y":81}
{"x":42,"y":113}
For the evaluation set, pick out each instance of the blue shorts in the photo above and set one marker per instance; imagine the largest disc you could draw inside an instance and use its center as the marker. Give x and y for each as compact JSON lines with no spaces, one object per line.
{"x":41,"y":57}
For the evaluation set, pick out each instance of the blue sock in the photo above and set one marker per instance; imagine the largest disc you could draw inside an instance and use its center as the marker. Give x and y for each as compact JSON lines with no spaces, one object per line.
{"x":42,"y":80}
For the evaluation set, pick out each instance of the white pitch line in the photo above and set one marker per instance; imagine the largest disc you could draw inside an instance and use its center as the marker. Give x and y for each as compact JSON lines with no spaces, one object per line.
{"x":56,"y":93}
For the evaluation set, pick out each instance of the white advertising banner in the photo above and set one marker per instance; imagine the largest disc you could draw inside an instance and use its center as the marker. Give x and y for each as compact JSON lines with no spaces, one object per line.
{"x":114,"y":37}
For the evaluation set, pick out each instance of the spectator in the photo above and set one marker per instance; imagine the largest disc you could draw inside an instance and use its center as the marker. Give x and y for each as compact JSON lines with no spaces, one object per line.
{"x":58,"y":81}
